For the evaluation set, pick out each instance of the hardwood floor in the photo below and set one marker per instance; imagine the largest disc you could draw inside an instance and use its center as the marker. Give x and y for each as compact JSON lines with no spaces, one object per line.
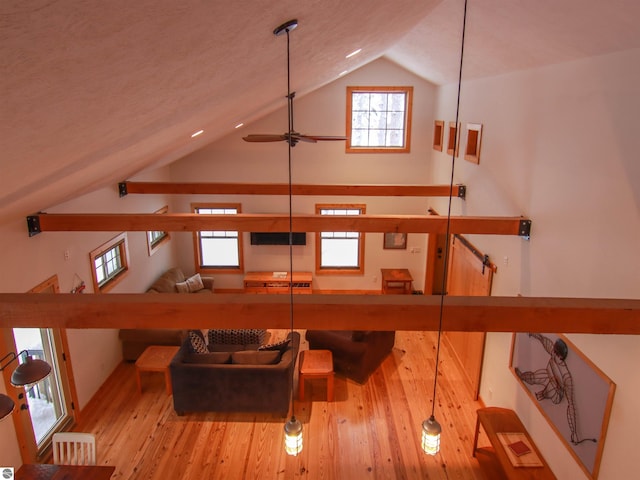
{"x":370,"y":431}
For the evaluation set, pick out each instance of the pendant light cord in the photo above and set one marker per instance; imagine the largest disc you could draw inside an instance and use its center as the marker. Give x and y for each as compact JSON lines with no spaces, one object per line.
{"x":290,"y":121}
{"x":446,"y":248}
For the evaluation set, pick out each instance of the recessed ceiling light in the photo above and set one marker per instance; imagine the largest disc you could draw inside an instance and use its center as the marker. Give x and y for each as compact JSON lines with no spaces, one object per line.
{"x":341,"y":74}
{"x":355,"y":52}
{"x":195,"y":134}
{"x":239,"y":125}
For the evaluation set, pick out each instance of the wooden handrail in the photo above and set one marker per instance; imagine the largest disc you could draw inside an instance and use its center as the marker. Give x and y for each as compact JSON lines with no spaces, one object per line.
{"x":321,"y":312}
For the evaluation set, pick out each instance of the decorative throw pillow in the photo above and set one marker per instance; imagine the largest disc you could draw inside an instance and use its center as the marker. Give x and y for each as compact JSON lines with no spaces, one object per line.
{"x":196,"y":342}
{"x":182,"y":287}
{"x":237,"y":337}
{"x":194,"y":283}
{"x":279,"y":346}
{"x":254,"y":357}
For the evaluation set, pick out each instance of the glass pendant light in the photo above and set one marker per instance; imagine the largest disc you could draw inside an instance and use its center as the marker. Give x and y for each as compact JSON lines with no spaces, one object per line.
{"x":293,"y":436}
{"x":431,"y":429}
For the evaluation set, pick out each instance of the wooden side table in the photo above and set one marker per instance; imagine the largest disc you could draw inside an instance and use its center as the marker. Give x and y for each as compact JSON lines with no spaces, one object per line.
{"x":495,"y":460}
{"x":396,"y":280}
{"x":316,"y":364}
{"x":156,"y":359}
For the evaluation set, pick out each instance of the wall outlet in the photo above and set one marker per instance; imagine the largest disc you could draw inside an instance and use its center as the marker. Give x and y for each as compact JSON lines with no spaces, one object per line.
{"x":67,"y":254}
{"x":415,"y":250}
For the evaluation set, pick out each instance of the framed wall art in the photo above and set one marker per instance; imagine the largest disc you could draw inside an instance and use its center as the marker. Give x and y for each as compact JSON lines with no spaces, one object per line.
{"x":572,"y":393}
{"x":395,"y":241}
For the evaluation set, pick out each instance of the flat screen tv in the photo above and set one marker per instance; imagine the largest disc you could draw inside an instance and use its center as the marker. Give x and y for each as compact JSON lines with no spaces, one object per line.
{"x":278,"y":238}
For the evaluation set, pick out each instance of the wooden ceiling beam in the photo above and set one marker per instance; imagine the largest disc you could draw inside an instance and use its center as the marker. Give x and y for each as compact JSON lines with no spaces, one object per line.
{"x":323,"y":312}
{"x":191,"y":222}
{"x":126,"y":188}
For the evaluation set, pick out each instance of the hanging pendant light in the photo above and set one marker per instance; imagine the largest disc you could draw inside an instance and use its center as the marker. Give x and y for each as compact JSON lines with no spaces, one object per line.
{"x":431,"y":436}
{"x":431,"y":429}
{"x":6,"y":406}
{"x":28,"y":373}
{"x":293,"y":427}
{"x":293,"y":436}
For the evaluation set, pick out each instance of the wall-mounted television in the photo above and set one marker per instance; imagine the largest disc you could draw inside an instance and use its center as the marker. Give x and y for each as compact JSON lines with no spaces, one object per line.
{"x":278,"y":238}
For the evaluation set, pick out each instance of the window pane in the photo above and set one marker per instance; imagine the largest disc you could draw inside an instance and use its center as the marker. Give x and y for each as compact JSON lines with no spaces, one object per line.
{"x":339,"y":253}
{"x":379,"y":119}
{"x":219,"y":252}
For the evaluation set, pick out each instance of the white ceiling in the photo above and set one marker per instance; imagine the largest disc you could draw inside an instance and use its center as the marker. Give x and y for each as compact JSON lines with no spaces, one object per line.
{"x":94,"y":92}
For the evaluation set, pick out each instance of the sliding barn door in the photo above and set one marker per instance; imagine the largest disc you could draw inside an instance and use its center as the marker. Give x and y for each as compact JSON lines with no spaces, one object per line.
{"x":470,"y":274}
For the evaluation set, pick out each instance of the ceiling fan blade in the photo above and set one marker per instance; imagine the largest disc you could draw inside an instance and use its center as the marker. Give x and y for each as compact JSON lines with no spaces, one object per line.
{"x":264,"y":138}
{"x":321,"y":138}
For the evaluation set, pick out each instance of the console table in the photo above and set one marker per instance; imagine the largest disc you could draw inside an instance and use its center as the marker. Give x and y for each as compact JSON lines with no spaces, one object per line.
{"x":275,"y":282}
{"x":494,"y":460}
{"x":396,"y":280}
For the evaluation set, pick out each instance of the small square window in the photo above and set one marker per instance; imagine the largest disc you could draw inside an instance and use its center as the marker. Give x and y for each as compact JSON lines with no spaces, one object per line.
{"x":379,"y":119}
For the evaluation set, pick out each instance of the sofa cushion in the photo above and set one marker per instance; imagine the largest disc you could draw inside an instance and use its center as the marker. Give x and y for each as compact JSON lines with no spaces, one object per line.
{"x":255,"y":357}
{"x":225,"y":347}
{"x":166,"y":283}
{"x":208,"y":358}
{"x":238,"y":337}
{"x":197,"y":343}
{"x":279,"y":346}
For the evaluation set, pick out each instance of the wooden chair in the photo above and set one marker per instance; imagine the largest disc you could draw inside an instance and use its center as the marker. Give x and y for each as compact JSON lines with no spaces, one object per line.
{"x":73,"y":448}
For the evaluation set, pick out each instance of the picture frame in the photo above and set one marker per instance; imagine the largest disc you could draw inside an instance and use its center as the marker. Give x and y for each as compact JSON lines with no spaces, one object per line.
{"x":395,"y":241}
{"x":576,"y":401}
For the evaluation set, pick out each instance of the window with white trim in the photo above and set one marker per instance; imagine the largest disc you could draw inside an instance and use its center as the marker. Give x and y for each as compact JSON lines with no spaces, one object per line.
{"x":218,"y":250}
{"x":340,"y":252}
{"x":157,"y":238}
{"x":379,"y":119}
{"x":110,"y":263}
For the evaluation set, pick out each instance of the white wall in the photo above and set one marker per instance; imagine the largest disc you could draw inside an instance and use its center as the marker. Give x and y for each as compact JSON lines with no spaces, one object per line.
{"x":322,"y":113}
{"x":559,"y":147}
{"x":26,"y":262}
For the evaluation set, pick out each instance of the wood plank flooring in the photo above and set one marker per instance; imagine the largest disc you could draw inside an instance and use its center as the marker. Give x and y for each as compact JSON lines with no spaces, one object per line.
{"x":368,"y":431}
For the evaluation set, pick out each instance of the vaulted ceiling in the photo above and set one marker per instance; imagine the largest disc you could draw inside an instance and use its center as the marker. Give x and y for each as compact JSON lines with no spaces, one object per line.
{"x":93,"y":92}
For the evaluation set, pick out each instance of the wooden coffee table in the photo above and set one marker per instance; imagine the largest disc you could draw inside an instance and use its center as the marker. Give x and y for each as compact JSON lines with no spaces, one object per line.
{"x":156,"y":359}
{"x":316,"y":364}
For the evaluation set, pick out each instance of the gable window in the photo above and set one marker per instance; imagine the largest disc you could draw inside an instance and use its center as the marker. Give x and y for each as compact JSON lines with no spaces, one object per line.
{"x":217,"y":250}
{"x":110,"y":263}
{"x":379,"y":119}
{"x":340,"y":252}
{"x":157,"y":238}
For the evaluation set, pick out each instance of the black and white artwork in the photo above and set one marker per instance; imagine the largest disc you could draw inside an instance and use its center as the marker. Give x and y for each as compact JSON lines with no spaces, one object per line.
{"x":571,"y":392}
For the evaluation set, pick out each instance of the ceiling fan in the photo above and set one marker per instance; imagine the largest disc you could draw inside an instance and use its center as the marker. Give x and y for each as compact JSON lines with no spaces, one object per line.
{"x":291,"y":136}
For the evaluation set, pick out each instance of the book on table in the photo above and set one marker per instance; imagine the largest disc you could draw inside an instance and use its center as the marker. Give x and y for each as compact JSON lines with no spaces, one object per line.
{"x":519,"y":448}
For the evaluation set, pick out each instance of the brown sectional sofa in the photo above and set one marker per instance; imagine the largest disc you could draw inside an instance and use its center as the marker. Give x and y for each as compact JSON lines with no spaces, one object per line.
{"x":200,"y":384}
{"x":134,"y":341}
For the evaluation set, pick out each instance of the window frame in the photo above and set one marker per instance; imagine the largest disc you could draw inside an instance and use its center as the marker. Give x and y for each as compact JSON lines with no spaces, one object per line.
{"x":408,"y":91}
{"x":121,"y":243}
{"x":153,"y":245}
{"x":196,"y":242}
{"x":359,"y":270}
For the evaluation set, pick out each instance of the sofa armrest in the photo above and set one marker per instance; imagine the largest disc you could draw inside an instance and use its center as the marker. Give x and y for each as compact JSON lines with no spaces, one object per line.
{"x":207,"y":282}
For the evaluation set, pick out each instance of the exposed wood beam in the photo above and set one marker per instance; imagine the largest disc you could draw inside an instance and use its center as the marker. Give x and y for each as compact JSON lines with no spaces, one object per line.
{"x":325,"y":312}
{"x":191,"y":222}
{"x":283,"y":189}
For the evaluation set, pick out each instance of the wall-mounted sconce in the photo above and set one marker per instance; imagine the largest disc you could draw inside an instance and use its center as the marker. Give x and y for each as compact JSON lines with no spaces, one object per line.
{"x":28,"y":373}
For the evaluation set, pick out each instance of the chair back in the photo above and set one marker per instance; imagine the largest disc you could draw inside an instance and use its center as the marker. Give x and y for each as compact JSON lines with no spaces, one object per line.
{"x":74,"y":448}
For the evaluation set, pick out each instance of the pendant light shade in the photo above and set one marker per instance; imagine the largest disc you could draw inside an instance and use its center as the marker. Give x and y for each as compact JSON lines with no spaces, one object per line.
{"x":431,"y":436}
{"x":6,"y":406}
{"x":293,"y":436}
{"x":30,"y":372}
